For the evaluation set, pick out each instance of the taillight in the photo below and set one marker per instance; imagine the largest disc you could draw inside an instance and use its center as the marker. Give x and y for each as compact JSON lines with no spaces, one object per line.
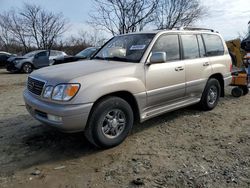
{"x":231,"y":67}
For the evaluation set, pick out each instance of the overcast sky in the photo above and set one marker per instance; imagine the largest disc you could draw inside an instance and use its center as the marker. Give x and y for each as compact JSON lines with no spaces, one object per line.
{"x":229,"y":17}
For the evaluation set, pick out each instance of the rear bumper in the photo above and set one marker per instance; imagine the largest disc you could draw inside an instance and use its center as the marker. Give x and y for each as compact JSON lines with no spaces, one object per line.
{"x":73,"y":117}
{"x":227,"y":80}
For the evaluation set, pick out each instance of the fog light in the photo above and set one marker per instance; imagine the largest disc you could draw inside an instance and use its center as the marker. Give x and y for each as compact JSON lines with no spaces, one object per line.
{"x":54,"y":118}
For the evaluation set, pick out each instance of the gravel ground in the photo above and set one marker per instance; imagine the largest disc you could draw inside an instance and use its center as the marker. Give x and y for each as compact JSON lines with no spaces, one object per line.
{"x":185,"y":148}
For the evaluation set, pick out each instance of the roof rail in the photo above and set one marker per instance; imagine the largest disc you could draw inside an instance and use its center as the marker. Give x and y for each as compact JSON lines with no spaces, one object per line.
{"x":189,"y":28}
{"x":197,"y":28}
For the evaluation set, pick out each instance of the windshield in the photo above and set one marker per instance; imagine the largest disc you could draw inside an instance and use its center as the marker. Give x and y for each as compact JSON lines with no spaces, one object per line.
{"x":30,"y":54}
{"x":87,"y":52}
{"x":128,"y":48}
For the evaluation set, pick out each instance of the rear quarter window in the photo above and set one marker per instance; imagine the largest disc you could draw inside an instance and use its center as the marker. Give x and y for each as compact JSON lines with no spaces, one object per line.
{"x":214,"y":45}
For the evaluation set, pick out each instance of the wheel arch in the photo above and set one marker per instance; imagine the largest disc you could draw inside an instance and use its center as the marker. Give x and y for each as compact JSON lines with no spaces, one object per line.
{"x":125,"y":95}
{"x":28,"y":63}
{"x":219,"y":77}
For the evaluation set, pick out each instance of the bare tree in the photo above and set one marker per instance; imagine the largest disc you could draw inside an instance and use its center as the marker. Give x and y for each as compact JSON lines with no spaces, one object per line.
{"x":177,"y":13}
{"x":122,"y":16}
{"x":31,"y":26}
{"x":44,"y":27}
{"x":13,"y":29}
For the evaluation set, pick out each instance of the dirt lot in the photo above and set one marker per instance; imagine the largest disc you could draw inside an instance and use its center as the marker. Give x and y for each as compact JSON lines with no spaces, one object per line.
{"x":185,"y":148}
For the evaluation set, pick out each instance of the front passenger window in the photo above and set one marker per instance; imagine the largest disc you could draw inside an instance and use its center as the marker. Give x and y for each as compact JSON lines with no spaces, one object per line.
{"x":168,"y":44}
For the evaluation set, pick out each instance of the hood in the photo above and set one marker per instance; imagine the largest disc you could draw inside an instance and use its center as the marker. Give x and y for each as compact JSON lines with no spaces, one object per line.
{"x":66,"y":72}
{"x":13,"y":58}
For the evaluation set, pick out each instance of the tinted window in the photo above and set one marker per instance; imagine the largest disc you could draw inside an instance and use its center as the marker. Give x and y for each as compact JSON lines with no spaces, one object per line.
{"x":201,"y":46}
{"x":214,"y":45}
{"x":190,"y":46}
{"x":168,"y":44}
{"x":41,"y":54}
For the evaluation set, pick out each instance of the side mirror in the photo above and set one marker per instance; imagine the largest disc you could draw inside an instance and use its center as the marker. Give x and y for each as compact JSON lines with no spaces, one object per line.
{"x":158,"y":57}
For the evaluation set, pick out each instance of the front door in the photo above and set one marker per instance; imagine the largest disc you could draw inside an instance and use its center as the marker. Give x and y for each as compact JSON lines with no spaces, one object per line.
{"x":165,"y":82}
{"x":41,"y":59}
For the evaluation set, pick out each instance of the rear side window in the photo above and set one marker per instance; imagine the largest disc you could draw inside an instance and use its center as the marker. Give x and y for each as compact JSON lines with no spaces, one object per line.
{"x":41,"y":54}
{"x":190,"y":46}
{"x":201,"y":46}
{"x":214,"y":45}
{"x":168,"y":44}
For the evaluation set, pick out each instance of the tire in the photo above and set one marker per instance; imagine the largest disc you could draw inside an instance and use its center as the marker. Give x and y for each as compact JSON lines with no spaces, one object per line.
{"x":110,"y":122}
{"x":27,"y":68}
{"x":210,"y":95}
{"x":245,"y":90}
{"x":237,"y":92}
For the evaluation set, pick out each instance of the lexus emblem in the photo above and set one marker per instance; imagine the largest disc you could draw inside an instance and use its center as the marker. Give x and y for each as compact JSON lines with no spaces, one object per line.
{"x":32,"y":85}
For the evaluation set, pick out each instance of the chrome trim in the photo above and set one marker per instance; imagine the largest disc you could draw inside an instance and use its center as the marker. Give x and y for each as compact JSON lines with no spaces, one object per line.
{"x":196,"y":82}
{"x":166,"y":89}
{"x":158,"y":110}
{"x":45,"y":83}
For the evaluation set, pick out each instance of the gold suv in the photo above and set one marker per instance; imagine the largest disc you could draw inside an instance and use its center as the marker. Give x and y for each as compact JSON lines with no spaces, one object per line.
{"x":137,"y":75}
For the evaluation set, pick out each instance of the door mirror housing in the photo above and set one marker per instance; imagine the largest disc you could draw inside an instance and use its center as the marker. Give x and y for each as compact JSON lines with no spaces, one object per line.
{"x":158,"y":57}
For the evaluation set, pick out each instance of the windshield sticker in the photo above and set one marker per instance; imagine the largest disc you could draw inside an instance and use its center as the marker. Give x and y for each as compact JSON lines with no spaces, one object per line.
{"x":137,"y":47}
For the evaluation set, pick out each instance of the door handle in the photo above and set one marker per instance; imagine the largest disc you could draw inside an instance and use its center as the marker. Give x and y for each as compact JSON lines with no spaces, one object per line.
{"x":179,"y":69}
{"x":206,"y":64}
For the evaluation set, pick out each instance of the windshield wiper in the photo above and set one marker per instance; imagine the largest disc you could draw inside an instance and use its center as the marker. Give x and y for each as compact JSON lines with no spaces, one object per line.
{"x":115,"y":58}
{"x":98,"y":57}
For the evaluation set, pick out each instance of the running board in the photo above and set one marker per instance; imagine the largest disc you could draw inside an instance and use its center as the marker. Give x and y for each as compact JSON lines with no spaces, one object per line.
{"x":156,"y":111}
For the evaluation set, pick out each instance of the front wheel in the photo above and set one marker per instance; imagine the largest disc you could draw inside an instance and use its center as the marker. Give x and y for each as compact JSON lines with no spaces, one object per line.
{"x":110,"y":122}
{"x":27,"y":68}
{"x":210,"y":95}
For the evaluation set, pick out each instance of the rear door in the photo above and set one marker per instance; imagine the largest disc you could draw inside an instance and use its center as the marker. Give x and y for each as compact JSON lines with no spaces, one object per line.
{"x":198,"y":68}
{"x":218,"y":54}
{"x":41,"y":59}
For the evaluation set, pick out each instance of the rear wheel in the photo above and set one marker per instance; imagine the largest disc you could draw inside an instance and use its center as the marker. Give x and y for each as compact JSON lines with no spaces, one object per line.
{"x":211,"y":94}
{"x":27,"y":68}
{"x":110,"y":122}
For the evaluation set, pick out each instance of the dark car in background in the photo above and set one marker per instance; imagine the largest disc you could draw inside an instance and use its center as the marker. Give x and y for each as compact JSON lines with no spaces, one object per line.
{"x":3,"y":58}
{"x":33,"y":60}
{"x":84,"y":54}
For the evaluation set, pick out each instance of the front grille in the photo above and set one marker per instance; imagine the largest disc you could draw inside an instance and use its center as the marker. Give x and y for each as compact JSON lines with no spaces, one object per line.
{"x":35,"y":86}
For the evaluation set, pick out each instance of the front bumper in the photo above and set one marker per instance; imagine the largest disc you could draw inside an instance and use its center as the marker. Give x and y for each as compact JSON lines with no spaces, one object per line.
{"x":73,"y":117}
{"x":10,"y":66}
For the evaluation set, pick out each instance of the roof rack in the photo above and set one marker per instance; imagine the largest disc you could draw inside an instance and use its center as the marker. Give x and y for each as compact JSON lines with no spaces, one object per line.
{"x":197,"y":28}
{"x":190,"y":28}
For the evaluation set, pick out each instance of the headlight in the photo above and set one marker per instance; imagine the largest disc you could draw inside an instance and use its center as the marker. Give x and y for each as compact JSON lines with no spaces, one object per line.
{"x":65,"y":92}
{"x":48,"y":92}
